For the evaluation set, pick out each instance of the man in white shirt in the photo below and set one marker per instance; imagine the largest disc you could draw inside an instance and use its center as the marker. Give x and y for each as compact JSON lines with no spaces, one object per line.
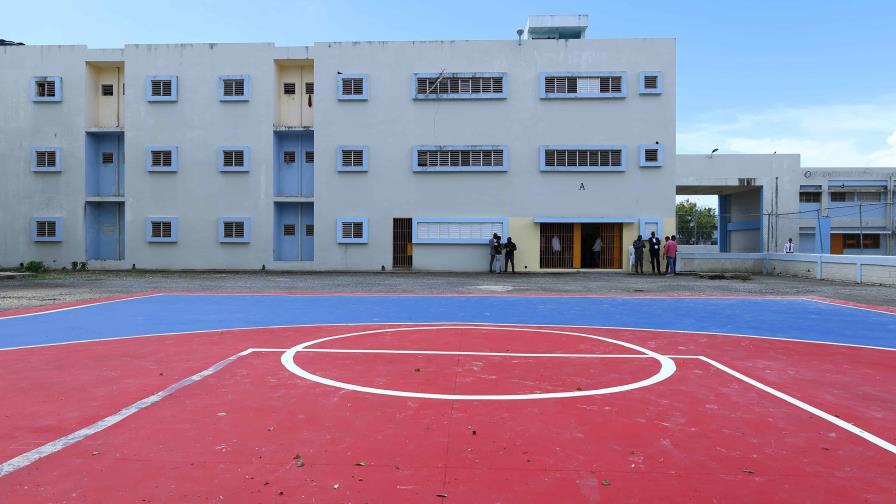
{"x":788,"y":247}
{"x":595,"y":251}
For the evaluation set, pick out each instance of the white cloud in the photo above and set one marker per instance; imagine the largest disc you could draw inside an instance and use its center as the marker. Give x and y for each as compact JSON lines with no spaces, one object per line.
{"x":834,"y":135}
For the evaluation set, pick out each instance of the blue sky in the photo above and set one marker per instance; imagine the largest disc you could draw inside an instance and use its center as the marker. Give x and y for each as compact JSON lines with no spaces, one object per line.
{"x":813,"y":77}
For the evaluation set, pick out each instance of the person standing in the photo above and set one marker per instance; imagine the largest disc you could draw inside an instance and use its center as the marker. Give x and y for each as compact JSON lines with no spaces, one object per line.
{"x":491,"y":251}
{"x":638,"y":246}
{"x":499,"y":256}
{"x":595,"y":251}
{"x":671,"y":252}
{"x":509,"y":250}
{"x":788,"y":247}
{"x":653,"y":246}
{"x":666,"y":242}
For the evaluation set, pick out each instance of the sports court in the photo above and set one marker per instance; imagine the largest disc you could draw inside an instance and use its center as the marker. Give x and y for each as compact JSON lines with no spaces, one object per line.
{"x":273,"y":397}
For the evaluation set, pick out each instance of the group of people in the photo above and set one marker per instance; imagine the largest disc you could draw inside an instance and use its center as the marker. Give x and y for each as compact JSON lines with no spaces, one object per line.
{"x":668,"y":249}
{"x":501,"y":255}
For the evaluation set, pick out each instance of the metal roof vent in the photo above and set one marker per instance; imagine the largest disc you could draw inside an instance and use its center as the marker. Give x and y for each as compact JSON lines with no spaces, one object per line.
{"x":556,"y":27}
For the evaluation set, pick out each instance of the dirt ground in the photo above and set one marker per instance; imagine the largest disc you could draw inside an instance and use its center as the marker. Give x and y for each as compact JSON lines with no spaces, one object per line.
{"x":60,"y":287}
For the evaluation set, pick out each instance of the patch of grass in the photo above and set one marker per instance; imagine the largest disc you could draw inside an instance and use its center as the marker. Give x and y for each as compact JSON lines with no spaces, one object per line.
{"x":35,"y":267}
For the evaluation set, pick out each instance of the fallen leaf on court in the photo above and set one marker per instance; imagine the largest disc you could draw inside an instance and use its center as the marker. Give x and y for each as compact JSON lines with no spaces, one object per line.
{"x":578,"y":388}
{"x":416,"y":370}
{"x":361,"y":463}
{"x":336,"y":486}
{"x":442,"y":495}
{"x":222,"y":414}
{"x":95,"y":453}
{"x":300,"y":463}
{"x":605,"y":482}
{"x":748,"y":471}
{"x":270,"y":429}
{"x":474,"y":433}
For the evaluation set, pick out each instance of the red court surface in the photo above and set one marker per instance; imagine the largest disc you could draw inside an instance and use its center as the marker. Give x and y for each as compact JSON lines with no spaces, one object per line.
{"x":254,"y":431}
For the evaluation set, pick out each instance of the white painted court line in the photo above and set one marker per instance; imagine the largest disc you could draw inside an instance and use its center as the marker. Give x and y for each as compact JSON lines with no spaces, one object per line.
{"x":811,"y":409}
{"x":78,"y":306}
{"x":667,"y":368}
{"x":834,"y":303}
{"x":54,"y":446}
{"x":495,"y":354}
{"x":351,"y":324}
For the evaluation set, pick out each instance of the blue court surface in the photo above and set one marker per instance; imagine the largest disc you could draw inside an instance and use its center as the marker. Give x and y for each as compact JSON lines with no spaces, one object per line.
{"x":789,"y":318}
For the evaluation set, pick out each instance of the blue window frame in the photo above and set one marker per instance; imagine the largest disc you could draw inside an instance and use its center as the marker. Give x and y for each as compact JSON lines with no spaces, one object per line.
{"x":352,"y":87}
{"x":351,"y":230}
{"x":234,"y":229}
{"x":650,"y":82}
{"x":646,"y":225}
{"x":651,"y":155}
{"x":459,"y":86}
{"x":46,"y":88}
{"x":457,"y":230}
{"x":582,"y":85}
{"x":161,"y":88}
{"x":234,"y":87}
{"x":352,"y":158}
{"x":46,"y":229}
{"x":582,"y":158}
{"x":233,"y":158}
{"x":161,"y":158}
{"x":161,"y":229}
{"x":46,"y":159}
{"x":459,"y":158}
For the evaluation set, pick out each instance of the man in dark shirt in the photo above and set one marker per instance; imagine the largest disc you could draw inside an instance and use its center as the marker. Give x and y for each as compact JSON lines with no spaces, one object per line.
{"x":638,"y":245}
{"x":509,"y":249}
{"x":653,"y":245}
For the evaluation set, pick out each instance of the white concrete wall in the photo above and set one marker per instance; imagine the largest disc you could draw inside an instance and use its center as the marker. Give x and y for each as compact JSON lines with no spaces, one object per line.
{"x":390,"y":123}
{"x":28,"y":124}
{"x":861,"y":269}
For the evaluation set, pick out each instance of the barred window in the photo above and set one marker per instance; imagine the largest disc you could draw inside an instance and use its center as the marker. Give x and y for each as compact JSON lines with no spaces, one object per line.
{"x":435,"y":158}
{"x":582,"y":157}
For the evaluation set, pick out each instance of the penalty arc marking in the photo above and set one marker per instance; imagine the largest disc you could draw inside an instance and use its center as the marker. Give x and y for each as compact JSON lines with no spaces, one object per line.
{"x":667,"y":367}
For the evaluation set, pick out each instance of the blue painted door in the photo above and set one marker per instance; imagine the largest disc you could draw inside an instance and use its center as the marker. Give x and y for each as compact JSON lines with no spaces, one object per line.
{"x":103,"y":230}
{"x":109,"y":162}
{"x":307,"y":187}
{"x":307,"y":218}
{"x":289,"y":159}
{"x":286,"y":228}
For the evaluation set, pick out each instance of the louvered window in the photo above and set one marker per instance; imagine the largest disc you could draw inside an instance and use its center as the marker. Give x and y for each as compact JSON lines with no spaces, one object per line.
{"x":234,"y":87}
{"x":583,"y":85}
{"x":289,"y":157}
{"x":45,"y":229}
{"x":810,"y":197}
{"x":233,"y":158}
{"x":576,"y":157}
{"x":45,"y":88}
{"x":160,"y":229}
{"x":352,"y":86}
{"x":289,"y":230}
{"x":651,"y":155}
{"x":45,"y":159}
{"x":160,"y":87}
{"x":289,"y":88}
{"x":869,"y":197}
{"x":309,"y":229}
{"x":841,"y":196}
{"x":309,"y":88}
{"x":107,"y":158}
{"x":651,"y":81}
{"x":446,"y":85}
{"x":107,"y":90}
{"x":309,"y":157}
{"x":161,"y":158}
{"x":457,"y":232}
{"x":234,"y":229}
{"x":353,"y":158}
{"x":352,"y":230}
{"x":439,"y":158}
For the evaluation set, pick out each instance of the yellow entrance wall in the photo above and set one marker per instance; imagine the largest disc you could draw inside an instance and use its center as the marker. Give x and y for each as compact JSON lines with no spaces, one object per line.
{"x":526,"y":235}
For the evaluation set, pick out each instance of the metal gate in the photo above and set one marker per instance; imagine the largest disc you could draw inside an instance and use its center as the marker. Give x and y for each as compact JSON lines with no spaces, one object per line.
{"x":402,"y":248}
{"x":556,"y":248}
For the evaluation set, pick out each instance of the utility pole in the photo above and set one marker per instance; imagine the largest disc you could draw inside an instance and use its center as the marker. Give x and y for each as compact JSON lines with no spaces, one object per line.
{"x":818,"y":232}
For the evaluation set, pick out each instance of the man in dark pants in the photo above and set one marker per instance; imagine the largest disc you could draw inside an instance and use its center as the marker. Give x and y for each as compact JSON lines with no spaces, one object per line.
{"x":491,"y":251}
{"x":653,"y":246}
{"x":638,"y":245}
{"x":509,"y":249}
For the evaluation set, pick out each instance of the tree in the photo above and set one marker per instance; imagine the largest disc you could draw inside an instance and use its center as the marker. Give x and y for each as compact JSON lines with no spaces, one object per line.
{"x":695,"y":224}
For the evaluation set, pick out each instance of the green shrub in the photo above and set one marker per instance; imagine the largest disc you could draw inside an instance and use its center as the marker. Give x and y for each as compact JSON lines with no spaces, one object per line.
{"x":35,"y":267}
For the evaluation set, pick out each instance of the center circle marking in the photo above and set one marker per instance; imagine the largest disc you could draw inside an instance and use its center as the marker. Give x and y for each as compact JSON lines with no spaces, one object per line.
{"x":667,"y":368}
